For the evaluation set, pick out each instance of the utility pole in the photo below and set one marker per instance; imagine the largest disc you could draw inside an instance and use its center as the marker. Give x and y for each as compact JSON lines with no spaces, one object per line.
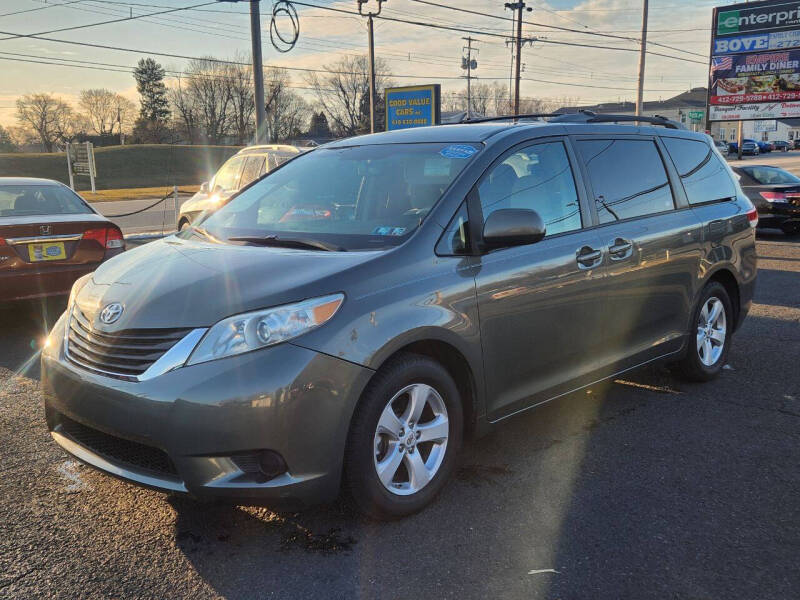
{"x":469,"y":63}
{"x":642,"y":53}
{"x":258,"y":69}
{"x":518,"y":6}
{"x":371,"y":37}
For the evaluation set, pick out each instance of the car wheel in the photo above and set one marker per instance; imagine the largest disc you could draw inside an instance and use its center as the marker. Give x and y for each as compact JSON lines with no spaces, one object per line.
{"x":709,"y":336}
{"x":404,"y":439}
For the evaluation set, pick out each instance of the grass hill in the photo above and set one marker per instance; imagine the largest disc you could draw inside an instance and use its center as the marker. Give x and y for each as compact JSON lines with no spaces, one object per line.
{"x":145,"y":165}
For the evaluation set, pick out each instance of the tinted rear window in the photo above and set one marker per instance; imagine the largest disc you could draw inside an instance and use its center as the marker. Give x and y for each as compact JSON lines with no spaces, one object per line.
{"x":770,"y":175}
{"x":704,"y":177}
{"x":29,"y":200}
{"x":628,"y":178}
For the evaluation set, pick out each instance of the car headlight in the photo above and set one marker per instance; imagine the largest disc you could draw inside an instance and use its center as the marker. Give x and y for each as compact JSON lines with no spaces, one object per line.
{"x":76,"y":288}
{"x":262,"y":328}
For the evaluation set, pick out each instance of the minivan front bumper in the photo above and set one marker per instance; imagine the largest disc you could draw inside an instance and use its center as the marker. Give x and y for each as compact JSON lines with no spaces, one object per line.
{"x":201,"y":429}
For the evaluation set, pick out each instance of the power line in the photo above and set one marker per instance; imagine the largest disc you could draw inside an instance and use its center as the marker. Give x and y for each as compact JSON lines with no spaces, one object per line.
{"x":27,"y":10}
{"x":120,"y":20}
{"x":556,"y":27}
{"x":498,"y":35}
{"x":129,"y":69}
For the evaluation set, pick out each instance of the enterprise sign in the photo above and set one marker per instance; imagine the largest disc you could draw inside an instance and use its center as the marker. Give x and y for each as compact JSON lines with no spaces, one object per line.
{"x":755,"y":60}
{"x":414,"y":106}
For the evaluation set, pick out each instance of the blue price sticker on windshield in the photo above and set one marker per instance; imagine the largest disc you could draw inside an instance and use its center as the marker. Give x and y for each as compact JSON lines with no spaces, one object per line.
{"x":458,"y":151}
{"x":389,"y":231}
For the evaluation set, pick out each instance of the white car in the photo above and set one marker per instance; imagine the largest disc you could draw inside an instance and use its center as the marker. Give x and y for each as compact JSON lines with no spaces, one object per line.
{"x":241,"y":169}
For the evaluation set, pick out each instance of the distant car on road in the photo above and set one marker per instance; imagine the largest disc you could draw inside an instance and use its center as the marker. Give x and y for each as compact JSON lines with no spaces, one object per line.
{"x":796,"y":144}
{"x":240,"y":170}
{"x":775,"y":194}
{"x":781,"y":145}
{"x":722,"y":146}
{"x":49,"y":237}
{"x":748,"y":146}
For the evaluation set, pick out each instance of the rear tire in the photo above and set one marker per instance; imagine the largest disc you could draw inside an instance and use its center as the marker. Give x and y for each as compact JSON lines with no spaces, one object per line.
{"x":404,"y":439}
{"x":709,"y":335}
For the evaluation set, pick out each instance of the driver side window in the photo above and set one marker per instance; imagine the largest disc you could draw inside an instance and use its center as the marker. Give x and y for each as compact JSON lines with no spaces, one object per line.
{"x":538,"y":178}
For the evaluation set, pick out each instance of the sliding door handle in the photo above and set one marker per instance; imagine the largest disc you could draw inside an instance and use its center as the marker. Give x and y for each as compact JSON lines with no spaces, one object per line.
{"x":588,"y":257}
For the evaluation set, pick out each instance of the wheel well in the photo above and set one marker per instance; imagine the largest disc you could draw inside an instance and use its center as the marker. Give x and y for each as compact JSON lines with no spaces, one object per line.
{"x":728,"y":281}
{"x":458,"y":368}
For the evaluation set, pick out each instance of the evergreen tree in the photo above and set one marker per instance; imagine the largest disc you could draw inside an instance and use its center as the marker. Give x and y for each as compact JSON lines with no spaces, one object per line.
{"x":154,"y":104}
{"x":149,"y":77}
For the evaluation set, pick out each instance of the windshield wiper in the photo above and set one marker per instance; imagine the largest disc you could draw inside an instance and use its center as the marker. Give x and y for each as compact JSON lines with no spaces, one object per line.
{"x":274,"y":240}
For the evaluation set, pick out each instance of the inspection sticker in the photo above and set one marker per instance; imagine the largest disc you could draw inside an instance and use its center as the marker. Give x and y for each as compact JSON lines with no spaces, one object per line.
{"x":458,"y":151}
{"x":389,"y":231}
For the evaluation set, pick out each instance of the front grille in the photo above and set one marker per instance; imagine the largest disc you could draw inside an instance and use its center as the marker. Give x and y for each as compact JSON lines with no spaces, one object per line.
{"x":123,"y":452}
{"x":125,"y":353}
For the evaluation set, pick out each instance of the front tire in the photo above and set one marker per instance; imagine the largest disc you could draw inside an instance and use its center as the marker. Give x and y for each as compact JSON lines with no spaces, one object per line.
{"x":709,"y":335}
{"x":405,"y":437}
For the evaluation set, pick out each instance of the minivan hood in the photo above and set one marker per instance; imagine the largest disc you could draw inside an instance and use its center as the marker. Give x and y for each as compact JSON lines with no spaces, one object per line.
{"x":173,"y":282}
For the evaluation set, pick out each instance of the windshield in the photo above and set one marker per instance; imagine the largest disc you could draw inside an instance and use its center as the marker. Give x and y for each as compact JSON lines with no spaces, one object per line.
{"x":770,"y":175}
{"x":25,"y":200}
{"x":352,"y":198}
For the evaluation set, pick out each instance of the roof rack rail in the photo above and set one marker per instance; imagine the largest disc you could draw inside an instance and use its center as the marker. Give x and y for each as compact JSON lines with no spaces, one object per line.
{"x":509,"y":117}
{"x":587,"y":116}
{"x":584,"y":116}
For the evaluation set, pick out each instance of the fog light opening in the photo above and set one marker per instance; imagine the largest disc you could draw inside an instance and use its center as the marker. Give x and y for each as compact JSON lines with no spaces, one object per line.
{"x":271,"y":464}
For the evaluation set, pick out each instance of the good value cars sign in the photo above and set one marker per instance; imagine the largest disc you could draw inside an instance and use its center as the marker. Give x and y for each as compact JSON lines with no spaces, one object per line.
{"x":754,"y":61}
{"x":415,"y":106}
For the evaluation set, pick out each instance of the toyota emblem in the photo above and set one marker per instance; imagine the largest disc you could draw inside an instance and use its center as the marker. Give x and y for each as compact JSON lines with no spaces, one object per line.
{"x":45,"y":229}
{"x":111,"y":313}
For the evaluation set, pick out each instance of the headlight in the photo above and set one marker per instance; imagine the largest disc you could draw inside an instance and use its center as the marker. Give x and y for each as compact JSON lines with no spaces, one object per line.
{"x":261,"y":328}
{"x":77,"y":287}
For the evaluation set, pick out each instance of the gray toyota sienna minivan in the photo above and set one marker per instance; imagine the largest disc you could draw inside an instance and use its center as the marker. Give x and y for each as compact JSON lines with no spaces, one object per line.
{"x":350,"y":318}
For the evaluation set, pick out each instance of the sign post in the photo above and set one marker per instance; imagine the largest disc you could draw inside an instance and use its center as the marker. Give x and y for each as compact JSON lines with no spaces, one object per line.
{"x":80,"y":161}
{"x":69,"y":167}
{"x":414,"y":106}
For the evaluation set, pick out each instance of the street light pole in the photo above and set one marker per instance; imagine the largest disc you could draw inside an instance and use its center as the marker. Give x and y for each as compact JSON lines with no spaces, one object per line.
{"x":258,"y":69}
{"x":371,"y":39}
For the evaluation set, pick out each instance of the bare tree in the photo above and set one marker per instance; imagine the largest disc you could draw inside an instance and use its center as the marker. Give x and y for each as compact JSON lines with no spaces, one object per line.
{"x":183,"y":106}
{"x":210,"y":89}
{"x":343,"y":93}
{"x":104,"y":109}
{"x":242,"y":98}
{"x":454,"y":101}
{"x":286,"y":111}
{"x":49,"y":117}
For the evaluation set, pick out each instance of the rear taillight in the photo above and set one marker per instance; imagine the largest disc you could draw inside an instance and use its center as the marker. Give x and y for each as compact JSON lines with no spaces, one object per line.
{"x":114,"y":239}
{"x":107,"y":238}
{"x":2,"y":242}
{"x":773,"y":196}
{"x":752,"y":216}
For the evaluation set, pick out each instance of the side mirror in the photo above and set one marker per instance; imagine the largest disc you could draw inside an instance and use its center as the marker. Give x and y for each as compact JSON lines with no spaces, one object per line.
{"x":508,"y":227}
{"x":204,"y":187}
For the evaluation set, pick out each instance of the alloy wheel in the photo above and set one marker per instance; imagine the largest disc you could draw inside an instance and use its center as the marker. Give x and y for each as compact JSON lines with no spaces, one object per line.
{"x":410,"y":440}
{"x":711,"y":331}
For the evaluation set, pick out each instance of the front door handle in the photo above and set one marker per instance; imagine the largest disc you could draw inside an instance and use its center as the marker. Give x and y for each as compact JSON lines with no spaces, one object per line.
{"x":588,"y":257}
{"x":620,"y":249}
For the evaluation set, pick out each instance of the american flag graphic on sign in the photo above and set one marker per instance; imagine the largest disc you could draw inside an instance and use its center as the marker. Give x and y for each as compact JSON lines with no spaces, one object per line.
{"x":723,"y":63}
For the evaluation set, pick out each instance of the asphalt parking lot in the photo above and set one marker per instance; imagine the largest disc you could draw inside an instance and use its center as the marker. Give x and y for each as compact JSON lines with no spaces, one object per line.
{"x":647,"y":487}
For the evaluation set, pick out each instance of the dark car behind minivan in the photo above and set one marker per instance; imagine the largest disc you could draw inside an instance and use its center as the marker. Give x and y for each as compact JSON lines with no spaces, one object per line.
{"x":349,"y":319}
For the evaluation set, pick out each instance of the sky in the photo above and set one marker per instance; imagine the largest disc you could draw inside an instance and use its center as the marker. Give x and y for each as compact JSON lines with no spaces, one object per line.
{"x":415,"y":54}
